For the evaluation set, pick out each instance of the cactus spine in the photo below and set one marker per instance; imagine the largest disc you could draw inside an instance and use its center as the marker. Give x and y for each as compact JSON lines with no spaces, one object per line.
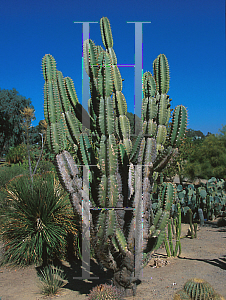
{"x":119,"y":172}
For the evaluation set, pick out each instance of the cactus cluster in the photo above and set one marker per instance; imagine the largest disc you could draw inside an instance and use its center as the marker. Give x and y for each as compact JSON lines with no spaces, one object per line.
{"x":105,"y":292}
{"x":197,"y":289}
{"x":121,"y":174}
{"x":209,"y":197}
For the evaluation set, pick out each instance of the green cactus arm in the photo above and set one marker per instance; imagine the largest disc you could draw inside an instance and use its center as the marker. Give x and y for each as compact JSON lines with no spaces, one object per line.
{"x":164,"y":158}
{"x":121,"y":240}
{"x":167,"y":246}
{"x":136,"y":148}
{"x":106,"y":33}
{"x":106,"y":116}
{"x":179,"y":124}
{"x":161,"y":136}
{"x":113,"y":192}
{"x":169,"y":196}
{"x":157,"y":217}
{"x":102,"y":191}
{"x":120,"y":108}
{"x":170,"y":236}
{"x":161,"y":73}
{"x":57,"y":108}
{"x":178,"y":231}
{"x":86,"y":149}
{"x":160,"y":240}
{"x":49,"y":67}
{"x":163,"y":221}
{"x":149,"y":85}
{"x":83,"y":119}
{"x":90,"y":58}
{"x":105,"y":82}
{"x":149,"y":109}
{"x":163,"y":109}
{"x":150,"y":152}
{"x":101,"y":228}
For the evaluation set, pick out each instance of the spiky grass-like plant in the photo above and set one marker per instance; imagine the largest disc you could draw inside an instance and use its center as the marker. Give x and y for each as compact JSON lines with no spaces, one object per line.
{"x":38,"y":220}
{"x":51,"y":280}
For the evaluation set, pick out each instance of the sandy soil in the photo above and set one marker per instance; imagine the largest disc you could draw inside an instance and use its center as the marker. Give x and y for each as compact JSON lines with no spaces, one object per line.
{"x":203,"y":257}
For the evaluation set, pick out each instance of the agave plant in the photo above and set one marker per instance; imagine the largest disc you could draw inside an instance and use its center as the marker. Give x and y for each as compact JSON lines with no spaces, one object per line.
{"x":38,"y":220}
{"x":120,"y":174}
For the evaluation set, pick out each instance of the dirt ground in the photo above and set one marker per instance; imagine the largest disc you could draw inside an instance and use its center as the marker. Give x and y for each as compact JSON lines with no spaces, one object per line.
{"x":203,"y":257}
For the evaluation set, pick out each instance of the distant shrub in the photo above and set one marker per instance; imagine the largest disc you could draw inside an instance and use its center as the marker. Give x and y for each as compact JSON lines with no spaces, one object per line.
{"x":16,"y":154}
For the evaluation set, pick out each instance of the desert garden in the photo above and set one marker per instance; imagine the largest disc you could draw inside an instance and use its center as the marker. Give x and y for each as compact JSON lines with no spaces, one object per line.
{"x":97,"y":190}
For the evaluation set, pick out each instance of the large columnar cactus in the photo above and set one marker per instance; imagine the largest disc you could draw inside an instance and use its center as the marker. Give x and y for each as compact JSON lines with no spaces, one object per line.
{"x":121,"y":174}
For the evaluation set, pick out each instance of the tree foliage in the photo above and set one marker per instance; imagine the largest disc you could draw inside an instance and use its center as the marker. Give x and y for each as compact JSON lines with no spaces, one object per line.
{"x":200,"y":156}
{"x":194,"y":134}
{"x":11,"y":103}
{"x":208,"y":159}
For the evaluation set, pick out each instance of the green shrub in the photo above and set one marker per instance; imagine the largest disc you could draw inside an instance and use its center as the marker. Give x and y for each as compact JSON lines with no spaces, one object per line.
{"x":16,"y":154}
{"x":6,"y":174}
{"x":38,"y":220}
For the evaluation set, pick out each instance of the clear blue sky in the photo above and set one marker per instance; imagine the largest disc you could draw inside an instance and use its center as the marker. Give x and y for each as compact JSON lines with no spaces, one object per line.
{"x":191,"y":33}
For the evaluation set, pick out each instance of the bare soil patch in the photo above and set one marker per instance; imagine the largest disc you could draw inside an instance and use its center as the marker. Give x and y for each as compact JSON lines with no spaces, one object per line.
{"x":203,"y":257}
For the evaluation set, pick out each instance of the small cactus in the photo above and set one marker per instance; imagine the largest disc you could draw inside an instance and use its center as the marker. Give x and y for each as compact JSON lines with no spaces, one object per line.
{"x":105,"y":291}
{"x":199,"y":289}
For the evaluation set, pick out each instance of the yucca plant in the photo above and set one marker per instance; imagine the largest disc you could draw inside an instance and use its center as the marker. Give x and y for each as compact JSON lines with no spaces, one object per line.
{"x":38,"y":220}
{"x":51,"y":280}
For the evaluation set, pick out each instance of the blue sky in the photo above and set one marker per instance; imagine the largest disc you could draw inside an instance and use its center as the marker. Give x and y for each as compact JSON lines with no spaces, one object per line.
{"x":190,"y":33}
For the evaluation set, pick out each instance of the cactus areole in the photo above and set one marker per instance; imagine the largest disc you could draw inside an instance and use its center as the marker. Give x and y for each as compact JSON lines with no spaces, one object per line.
{"x":121,"y":173}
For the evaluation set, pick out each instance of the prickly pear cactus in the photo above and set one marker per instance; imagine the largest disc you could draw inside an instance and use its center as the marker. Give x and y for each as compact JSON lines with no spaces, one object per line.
{"x":121,"y":174}
{"x":105,"y":292}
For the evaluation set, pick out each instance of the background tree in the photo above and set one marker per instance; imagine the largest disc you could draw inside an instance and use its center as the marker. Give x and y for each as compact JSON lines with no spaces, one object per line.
{"x":208,"y":159}
{"x":222,"y":134}
{"x":28,"y":116}
{"x":194,"y":134}
{"x":11,"y":103}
